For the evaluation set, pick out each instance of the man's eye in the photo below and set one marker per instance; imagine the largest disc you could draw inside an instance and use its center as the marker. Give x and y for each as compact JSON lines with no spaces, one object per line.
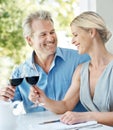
{"x":52,"y":32}
{"x":42,"y":35}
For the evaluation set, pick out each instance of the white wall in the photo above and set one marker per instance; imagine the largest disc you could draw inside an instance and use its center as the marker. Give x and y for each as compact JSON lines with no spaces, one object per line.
{"x":104,"y":8}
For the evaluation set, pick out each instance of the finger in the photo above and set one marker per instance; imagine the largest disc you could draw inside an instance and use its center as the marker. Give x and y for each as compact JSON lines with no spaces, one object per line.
{"x":63,"y":116}
{"x":66,"y":117}
{"x":4,"y":98}
{"x":11,"y":92}
{"x":32,"y":89}
{"x":12,"y":88}
{"x":37,"y":89}
{"x":34,"y":99}
{"x":7,"y":92}
{"x":34,"y":92}
{"x":33,"y":96}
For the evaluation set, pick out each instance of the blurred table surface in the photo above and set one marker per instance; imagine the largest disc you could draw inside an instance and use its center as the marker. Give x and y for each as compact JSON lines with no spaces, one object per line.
{"x":31,"y":122}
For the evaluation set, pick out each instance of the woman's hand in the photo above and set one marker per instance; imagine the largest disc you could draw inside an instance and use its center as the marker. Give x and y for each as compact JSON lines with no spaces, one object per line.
{"x":74,"y":117}
{"x":36,"y":95}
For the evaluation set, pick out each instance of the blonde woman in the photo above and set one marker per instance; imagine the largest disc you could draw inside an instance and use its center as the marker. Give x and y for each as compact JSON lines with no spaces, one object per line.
{"x":92,"y":81}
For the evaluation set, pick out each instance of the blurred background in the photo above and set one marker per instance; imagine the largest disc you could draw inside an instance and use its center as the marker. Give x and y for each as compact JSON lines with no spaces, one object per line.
{"x":14,"y":50}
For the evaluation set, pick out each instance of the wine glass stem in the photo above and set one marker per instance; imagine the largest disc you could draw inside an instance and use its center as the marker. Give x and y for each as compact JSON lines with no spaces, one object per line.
{"x":37,"y":104}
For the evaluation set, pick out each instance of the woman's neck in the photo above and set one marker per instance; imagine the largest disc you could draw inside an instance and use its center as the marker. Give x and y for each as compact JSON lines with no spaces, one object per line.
{"x":100,"y":56}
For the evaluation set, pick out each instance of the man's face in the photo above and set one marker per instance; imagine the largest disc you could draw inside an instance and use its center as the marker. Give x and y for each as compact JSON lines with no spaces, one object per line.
{"x":44,"y":39}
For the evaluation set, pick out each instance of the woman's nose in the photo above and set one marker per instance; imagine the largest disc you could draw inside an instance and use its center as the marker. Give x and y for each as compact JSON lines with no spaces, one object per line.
{"x":73,"y":41}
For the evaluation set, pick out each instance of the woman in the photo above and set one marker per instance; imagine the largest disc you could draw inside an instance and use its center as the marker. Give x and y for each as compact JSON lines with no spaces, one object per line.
{"x":92,"y":81}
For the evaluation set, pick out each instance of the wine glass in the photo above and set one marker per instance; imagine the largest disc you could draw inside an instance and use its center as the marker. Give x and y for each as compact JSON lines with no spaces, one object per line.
{"x":13,"y":80}
{"x":32,"y":78}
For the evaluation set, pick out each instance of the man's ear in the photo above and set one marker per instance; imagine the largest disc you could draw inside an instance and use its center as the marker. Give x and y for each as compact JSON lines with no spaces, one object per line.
{"x":29,"y":41}
{"x":92,"y":32}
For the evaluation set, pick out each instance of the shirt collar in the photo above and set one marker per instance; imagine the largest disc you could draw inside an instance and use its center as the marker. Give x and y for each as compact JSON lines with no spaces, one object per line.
{"x":30,"y":62}
{"x":58,"y":54}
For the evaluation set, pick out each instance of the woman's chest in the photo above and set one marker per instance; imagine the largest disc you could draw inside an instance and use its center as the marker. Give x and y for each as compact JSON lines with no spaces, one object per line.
{"x":94,"y":77}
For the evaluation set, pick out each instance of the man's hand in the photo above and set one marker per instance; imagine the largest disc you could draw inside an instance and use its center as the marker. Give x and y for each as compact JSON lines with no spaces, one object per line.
{"x":7,"y":93}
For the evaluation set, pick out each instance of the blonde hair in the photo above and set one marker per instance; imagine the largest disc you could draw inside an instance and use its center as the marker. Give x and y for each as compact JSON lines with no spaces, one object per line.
{"x":38,"y":15}
{"x":90,"y":19}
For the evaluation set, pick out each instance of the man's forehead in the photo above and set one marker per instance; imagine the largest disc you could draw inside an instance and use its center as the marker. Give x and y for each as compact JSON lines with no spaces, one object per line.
{"x":41,"y":22}
{"x":42,"y":26}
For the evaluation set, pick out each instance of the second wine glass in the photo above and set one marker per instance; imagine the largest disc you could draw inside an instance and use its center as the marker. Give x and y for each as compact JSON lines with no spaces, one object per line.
{"x":32,"y":80}
{"x":32,"y":77}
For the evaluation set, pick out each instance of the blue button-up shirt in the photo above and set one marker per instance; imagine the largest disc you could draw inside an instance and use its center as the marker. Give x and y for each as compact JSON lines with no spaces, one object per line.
{"x":55,"y":83}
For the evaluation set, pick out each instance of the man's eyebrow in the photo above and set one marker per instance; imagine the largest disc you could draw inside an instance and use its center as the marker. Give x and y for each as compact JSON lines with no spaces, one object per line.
{"x":47,"y":31}
{"x":53,"y":30}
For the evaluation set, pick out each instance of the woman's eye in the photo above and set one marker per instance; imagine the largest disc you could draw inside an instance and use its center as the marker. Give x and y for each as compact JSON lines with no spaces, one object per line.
{"x":75,"y":35}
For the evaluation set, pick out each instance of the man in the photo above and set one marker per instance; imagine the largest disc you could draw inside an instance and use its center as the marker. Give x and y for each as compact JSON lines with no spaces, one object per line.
{"x":54,"y":65}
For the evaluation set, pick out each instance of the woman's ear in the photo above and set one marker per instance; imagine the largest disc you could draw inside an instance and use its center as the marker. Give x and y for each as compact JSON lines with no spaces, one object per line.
{"x":29,"y":41}
{"x":92,"y":32}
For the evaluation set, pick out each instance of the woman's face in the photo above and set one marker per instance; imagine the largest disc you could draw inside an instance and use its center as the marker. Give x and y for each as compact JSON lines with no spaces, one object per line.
{"x":81,"y":39}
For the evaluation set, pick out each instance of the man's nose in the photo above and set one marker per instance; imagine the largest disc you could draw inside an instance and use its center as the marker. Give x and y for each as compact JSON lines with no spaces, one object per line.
{"x":50,"y":37}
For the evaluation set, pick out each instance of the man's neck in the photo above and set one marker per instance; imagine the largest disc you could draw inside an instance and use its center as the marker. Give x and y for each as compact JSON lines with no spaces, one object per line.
{"x":44,"y":62}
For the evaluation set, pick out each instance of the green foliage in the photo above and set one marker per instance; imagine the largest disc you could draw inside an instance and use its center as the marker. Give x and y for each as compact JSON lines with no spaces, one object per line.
{"x":65,"y":12}
{"x":13,"y":11}
{"x":13,"y":49}
{"x":62,"y":11}
{"x":11,"y":38}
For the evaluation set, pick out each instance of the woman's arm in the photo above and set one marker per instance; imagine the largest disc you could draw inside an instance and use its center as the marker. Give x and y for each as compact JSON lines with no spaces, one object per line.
{"x":68,"y":103}
{"x":75,"y":117}
{"x":102,"y":117}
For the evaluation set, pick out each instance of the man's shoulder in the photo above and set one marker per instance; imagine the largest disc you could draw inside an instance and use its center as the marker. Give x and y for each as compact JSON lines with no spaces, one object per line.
{"x":26,"y":63}
{"x":73,"y":54}
{"x":67,"y":50}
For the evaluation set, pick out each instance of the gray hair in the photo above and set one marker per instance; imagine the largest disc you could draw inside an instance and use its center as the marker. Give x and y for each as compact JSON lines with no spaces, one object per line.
{"x":90,"y":19}
{"x":38,"y":15}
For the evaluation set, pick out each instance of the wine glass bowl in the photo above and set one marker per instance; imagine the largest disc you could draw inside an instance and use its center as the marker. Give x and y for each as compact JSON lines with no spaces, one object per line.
{"x":15,"y":81}
{"x":16,"y":78}
{"x":32,"y":80}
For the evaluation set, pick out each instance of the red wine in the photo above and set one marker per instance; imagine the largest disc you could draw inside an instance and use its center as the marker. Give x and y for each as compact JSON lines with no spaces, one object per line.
{"x":15,"y":81}
{"x":32,"y":80}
